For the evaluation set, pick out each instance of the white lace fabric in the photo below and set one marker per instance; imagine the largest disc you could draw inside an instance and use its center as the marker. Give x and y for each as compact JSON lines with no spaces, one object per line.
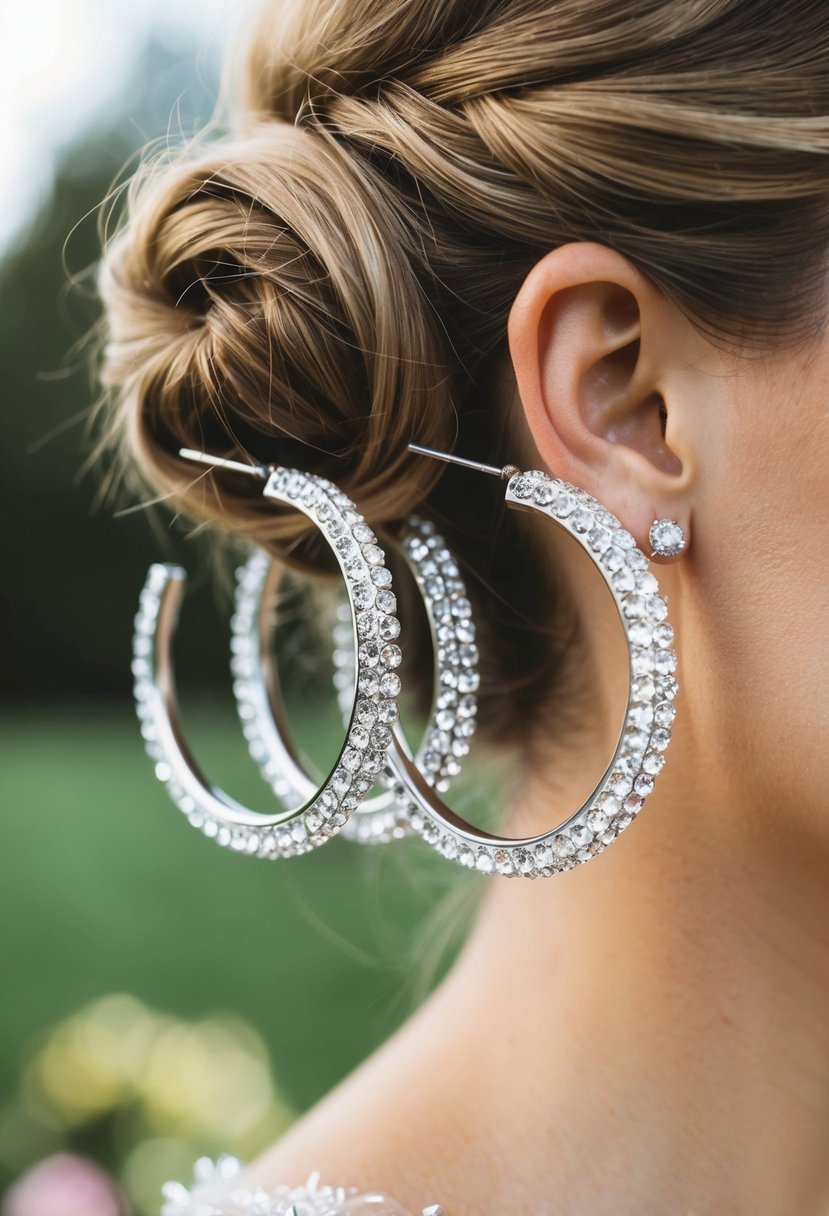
{"x":221,"y":1189}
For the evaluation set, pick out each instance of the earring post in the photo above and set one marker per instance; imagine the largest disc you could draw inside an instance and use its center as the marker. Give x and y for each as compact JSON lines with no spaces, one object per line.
{"x":219,"y":462}
{"x":447,"y":458}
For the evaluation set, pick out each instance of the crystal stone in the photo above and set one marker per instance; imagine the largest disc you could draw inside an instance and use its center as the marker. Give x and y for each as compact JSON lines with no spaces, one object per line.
{"x":582,"y":520}
{"x":485,"y":862}
{"x":643,"y":784}
{"x":563,"y":845}
{"x":358,"y":737}
{"x":667,"y":687}
{"x":392,"y":656}
{"x":598,"y":538}
{"x":365,"y":712}
{"x":657,"y":608}
{"x":373,"y":762}
{"x":641,"y":633}
{"x":369,"y":683}
{"x":653,"y":762}
{"x":667,"y":538}
{"x":596,"y":819}
{"x":646,"y":583}
{"x":386,"y":601}
{"x":623,"y":580}
{"x":503,"y":862}
{"x":387,"y":711}
{"x":389,"y":628}
{"x":524,"y":861}
{"x":468,"y":681}
{"x":351,"y":759}
{"x":613,"y":558}
{"x":369,"y":654}
{"x":389,"y":684}
{"x":367,"y":622}
{"x":381,"y":738}
{"x":633,"y":607}
{"x":663,"y":635}
{"x":664,"y":662}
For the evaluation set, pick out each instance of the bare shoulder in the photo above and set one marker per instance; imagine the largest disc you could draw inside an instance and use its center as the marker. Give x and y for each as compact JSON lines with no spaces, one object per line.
{"x":383,"y":1129}
{"x":360,"y":1135}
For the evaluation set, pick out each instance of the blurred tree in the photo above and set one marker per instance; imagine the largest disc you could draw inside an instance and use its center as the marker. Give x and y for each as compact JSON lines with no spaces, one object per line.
{"x":73,"y":568}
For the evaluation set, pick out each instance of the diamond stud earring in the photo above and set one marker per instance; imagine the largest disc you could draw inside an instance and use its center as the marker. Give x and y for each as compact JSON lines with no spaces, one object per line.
{"x":667,"y":539}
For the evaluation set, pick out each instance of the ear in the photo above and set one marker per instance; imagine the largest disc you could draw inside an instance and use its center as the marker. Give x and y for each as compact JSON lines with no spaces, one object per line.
{"x":601,"y":360}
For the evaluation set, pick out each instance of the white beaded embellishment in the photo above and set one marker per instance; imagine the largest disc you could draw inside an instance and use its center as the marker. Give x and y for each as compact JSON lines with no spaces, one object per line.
{"x":220,"y":1189}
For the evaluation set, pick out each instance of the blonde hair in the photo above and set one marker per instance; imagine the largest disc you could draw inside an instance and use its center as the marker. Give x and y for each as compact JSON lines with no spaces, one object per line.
{"x":330,"y":278}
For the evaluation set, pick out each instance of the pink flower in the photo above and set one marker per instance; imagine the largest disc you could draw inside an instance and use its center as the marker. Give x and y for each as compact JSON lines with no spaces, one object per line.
{"x":63,"y":1185}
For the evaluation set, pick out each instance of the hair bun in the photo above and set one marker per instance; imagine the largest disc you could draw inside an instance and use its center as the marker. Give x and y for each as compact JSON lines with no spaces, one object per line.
{"x":261,"y":301}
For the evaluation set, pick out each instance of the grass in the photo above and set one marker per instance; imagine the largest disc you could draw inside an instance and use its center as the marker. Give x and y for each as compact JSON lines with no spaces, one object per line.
{"x":104,"y":888}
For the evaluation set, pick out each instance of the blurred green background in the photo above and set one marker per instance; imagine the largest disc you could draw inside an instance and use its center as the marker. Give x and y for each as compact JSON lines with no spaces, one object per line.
{"x":162,"y":998}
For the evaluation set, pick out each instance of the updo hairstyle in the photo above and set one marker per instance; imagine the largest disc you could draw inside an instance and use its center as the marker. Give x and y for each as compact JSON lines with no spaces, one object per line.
{"x":328,"y":276}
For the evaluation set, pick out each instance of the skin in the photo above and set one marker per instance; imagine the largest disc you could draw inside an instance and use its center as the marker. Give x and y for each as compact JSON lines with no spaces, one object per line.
{"x":648,"y":1033}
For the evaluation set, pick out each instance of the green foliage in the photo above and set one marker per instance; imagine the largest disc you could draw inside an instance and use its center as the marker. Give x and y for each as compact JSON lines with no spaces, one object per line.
{"x":104,"y":888}
{"x":72,"y":566}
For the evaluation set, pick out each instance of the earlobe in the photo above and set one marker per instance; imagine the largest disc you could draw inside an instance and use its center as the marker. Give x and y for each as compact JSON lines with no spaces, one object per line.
{"x":593,"y":344}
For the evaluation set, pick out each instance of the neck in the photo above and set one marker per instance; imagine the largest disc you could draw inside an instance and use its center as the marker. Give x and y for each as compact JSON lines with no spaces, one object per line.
{"x":663,"y":1009}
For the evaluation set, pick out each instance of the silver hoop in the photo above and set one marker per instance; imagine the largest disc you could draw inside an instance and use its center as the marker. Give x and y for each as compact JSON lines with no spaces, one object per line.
{"x":364,"y":752}
{"x":452,"y":716}
{"x":640,"y":752}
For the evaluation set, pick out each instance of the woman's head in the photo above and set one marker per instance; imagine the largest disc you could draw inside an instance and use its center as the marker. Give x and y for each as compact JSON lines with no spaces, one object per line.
{"x":627,"y":186}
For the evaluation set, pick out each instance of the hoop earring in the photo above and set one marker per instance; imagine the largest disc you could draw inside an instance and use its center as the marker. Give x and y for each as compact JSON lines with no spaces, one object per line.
{"x":452,"y":716}
{"x":364,"y":752}
{"x":646,"y":732}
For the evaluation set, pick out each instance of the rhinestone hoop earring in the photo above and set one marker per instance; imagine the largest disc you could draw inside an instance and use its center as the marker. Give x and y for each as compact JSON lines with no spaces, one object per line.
{"x":364,"y":752}
{"x":640,"y":752}
{"x":451,"y":722}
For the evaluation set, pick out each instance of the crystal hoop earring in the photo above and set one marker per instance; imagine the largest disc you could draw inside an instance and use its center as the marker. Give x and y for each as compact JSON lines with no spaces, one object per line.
{"x":646,"y":731}
{"x":364,"y":752}
{"x":451,"y":722}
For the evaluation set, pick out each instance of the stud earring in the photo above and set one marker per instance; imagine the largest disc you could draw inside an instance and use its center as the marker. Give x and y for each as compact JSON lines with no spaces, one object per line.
{"x":364,"y":752}
{"x":667,"y":539}
{"x":451,"y":721}
{"x":639,"y":755}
